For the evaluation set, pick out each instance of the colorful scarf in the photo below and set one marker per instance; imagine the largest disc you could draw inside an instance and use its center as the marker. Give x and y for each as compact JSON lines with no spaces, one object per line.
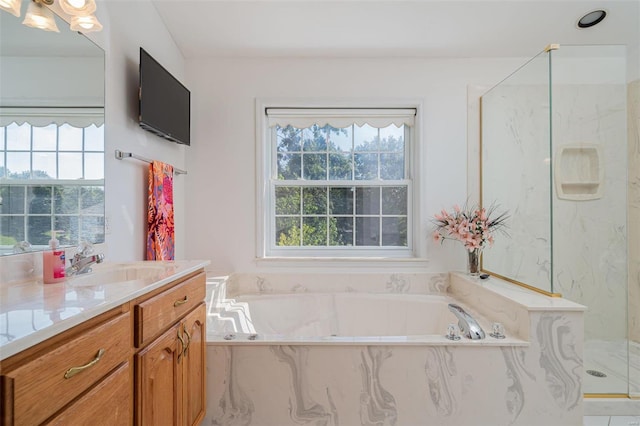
{"x":160,"y":235}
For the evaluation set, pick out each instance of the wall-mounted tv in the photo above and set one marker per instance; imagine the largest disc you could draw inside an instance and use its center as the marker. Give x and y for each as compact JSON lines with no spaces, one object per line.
{"x":165,"y":104}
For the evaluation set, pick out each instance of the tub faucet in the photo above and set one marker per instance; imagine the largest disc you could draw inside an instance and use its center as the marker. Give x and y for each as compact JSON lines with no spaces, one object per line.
{"x":83,"y":259}
{"x":468,"y":325}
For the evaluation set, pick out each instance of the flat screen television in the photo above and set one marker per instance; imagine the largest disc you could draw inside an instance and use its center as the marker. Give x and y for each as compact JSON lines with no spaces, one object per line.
{"x":165,"y":104}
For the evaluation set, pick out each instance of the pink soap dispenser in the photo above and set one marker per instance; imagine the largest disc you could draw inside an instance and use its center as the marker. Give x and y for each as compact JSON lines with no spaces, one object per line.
{"x":53,"y":262}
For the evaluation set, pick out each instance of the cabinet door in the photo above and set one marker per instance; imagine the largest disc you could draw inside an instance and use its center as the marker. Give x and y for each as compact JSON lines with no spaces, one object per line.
{"x":194,"y":371}
{"x":159,"y":380}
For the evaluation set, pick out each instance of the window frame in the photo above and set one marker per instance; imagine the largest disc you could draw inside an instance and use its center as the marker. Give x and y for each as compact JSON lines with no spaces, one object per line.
{"x":266,"y":247}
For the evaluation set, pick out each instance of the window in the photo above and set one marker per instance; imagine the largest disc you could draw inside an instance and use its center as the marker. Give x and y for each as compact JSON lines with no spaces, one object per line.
{"x":339,"y":182}
{"x":52,"y":177}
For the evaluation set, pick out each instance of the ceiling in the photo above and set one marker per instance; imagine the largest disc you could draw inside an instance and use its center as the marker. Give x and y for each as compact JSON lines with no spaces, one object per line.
{"x":377,"y":28}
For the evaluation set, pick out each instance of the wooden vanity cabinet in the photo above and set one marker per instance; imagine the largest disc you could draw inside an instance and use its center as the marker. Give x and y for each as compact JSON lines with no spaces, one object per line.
{"x":141,"y":363}
{"x":60,"y":377}
{"x":170,"y":367}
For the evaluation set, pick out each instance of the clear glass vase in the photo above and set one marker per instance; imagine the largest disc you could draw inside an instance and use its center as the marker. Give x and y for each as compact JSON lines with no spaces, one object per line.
{"x":473,"y":262}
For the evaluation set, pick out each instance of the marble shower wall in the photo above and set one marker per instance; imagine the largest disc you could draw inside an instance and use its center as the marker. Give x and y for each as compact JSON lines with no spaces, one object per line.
{"x":269,"y":385}
{"x":590,"y":236}
{"x":588,"y":105}
{"x":515,"y":175}
{"x":633,"y":96}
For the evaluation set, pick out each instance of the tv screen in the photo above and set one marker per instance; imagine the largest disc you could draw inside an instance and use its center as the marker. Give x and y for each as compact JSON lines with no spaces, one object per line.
{"x":164,"y":102}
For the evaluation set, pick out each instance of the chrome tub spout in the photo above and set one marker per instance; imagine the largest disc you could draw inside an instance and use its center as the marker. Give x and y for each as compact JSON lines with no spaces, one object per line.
{"x":468,"y":325}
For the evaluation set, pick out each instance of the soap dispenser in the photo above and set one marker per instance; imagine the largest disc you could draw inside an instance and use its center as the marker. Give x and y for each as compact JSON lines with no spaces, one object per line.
{"x":53,"y":262}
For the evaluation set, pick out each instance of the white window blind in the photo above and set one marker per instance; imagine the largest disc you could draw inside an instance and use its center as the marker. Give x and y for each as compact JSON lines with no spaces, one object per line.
{"x":340,"y":117}
{"x":43,"y":116}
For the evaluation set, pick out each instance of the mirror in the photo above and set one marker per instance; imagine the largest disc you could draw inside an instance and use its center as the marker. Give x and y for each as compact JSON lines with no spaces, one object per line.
{"x":51,"y":137}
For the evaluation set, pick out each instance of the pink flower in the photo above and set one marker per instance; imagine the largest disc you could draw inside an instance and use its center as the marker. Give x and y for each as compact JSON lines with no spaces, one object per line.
{"x":472,"y":227}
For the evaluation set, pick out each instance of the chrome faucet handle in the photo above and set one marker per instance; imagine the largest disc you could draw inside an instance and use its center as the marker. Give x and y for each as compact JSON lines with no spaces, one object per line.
{"x":84,"y":249}
{"x":22,"y":247}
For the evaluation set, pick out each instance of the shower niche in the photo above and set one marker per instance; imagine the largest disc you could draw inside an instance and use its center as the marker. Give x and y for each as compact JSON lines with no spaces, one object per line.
{"x":578,"y":174}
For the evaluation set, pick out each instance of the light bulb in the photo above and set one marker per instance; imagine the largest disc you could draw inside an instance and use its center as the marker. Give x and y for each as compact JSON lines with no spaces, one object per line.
{"x":78,"y":7}
{"x":85,"y":24}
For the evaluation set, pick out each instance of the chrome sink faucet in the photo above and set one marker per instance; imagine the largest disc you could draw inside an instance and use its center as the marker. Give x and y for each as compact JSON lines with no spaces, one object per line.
{"x":468,"y":325}
{"x":83,"y":259}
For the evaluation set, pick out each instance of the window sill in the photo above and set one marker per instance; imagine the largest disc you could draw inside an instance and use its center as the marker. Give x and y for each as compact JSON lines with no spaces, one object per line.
{"x":371,"y":264}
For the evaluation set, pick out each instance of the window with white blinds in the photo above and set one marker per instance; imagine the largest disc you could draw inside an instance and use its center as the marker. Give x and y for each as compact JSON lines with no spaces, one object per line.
{"x":339,"y":182}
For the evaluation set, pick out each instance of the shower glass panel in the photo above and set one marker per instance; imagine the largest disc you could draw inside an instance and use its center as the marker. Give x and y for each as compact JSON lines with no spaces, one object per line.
{"x":554,"y":154}
{"x":515,"y":157}
{"x":589,"y":151}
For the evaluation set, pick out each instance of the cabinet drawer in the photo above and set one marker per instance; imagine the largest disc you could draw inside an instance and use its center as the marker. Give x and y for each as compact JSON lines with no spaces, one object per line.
{"x":156,"y":314}
{"x":109,"y":403}
{"x":41,"y":387}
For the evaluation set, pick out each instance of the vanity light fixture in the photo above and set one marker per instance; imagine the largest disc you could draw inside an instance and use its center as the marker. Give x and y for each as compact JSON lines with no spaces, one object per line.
{"x":592,"y":18}
{"x":85,"y":24}
{"x":78,"y":7}
{"x":11,"y":6}
{"x":40,"y":16}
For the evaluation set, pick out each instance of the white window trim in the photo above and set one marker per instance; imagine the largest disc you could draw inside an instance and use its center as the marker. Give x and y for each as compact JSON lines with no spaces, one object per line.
{"x":402,"y":256}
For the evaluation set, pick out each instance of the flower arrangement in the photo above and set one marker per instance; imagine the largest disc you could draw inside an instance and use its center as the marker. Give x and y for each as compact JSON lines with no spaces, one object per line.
{"x":473,"y":227}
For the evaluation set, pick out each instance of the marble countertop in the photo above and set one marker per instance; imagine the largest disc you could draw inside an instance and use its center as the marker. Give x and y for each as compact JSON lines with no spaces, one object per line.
{"x":529,"y":299}
{"x":31,"y":312}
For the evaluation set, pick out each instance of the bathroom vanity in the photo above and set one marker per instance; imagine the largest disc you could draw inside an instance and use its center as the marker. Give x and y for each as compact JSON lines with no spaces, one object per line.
{"x":122,"y":345}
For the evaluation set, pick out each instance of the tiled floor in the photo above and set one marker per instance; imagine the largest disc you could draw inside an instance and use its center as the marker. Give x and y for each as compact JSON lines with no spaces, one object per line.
{"x":612,"y":421}
{"x":619,"y":360}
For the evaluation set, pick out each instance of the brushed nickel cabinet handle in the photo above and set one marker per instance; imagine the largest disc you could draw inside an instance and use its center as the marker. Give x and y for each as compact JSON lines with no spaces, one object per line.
{"x":75,"y":370}
{"x":180,"y":302}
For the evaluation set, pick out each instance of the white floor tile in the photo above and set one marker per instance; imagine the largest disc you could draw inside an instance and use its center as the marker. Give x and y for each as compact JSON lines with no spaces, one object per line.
{"x":596,"y":421}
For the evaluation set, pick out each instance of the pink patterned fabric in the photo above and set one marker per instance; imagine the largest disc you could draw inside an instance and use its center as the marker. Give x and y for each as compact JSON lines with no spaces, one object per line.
{"x":160,"y":234}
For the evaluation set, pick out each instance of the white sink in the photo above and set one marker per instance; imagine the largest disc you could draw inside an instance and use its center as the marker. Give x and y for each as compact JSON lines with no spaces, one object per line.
{"x":122,"y":272}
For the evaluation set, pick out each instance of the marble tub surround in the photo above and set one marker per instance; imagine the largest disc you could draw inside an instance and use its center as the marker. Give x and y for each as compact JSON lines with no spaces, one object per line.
{"x":263,"y":383}
{"x":31,"y":312}
{"x":421,"y":283}
{"x":342,"y":318}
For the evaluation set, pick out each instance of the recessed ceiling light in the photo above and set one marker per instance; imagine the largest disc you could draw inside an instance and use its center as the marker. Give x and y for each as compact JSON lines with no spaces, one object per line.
{"x":592,"y":18}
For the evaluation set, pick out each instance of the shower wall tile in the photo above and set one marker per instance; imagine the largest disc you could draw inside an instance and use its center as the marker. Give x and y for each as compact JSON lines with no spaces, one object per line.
{"x":515,"y":144}
{"x":590,"y":237}
{"x":633,"y":93}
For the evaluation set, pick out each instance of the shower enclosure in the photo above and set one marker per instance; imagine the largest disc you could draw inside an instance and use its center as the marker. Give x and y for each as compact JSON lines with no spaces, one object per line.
{"x":554,"y":153}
